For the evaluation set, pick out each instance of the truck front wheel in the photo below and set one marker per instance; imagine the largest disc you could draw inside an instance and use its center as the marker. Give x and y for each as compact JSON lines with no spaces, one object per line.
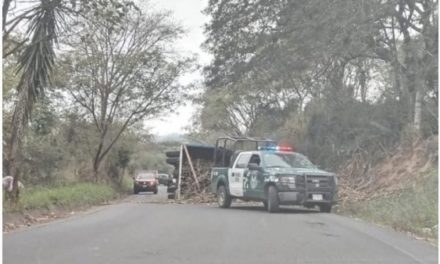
{"x":223,"y":198}
{"x":272,"y":200}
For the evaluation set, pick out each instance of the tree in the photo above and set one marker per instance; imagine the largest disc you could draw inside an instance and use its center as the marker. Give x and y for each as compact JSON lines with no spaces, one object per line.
{"x":410,"y":33}
{"x":123,"y":74}
{"x":44,"y":20}
{"x":247,"y":111}
{"x":35,"y":65}
{"x":292,"y":48}
{"x":357,"y":74}
{"x":329,"y":46}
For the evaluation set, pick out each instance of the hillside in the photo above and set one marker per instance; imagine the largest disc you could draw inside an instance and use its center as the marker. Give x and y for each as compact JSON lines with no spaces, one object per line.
{"x":401,"y":191}
{"x":405,"y":166}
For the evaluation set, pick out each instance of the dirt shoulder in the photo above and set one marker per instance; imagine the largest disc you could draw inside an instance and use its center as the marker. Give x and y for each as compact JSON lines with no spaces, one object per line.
{"x":17,"y":220}
{"x":14,"y":220}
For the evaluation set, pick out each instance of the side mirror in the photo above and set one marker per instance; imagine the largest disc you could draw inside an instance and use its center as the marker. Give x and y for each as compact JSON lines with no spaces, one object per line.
{"x":253,"y":166}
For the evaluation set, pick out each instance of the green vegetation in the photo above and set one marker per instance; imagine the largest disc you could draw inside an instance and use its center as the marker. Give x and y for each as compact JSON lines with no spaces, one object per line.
{"x":414,"y":209}
{"x":136,"y":71}
{"x":126,"y":185}
{"x":336,"y":79}
{"x":339,"y":80}
{"x":344,"y":82}
{"x":69,"y":196}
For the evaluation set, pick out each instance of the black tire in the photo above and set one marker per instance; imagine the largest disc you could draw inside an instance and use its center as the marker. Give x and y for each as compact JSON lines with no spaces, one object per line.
{"x":273,"y":204}
{"x":135,"y":191}
{"x":155,"y":192}
{"x":325,"y":208}
{"x":265,"y":205}
{"x":223,"y":198}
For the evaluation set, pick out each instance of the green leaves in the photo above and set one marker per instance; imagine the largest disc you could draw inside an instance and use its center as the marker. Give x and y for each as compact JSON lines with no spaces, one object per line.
{"x":124,"y":73}
{"x":335,"y":76}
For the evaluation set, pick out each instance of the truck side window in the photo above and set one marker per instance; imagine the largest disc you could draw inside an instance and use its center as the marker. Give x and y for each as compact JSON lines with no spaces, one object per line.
{"x":255,"y":159}
{"x":243,"y":160}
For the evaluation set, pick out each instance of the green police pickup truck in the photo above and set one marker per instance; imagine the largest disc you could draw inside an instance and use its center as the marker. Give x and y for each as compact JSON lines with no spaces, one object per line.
{"x":271,"y":174}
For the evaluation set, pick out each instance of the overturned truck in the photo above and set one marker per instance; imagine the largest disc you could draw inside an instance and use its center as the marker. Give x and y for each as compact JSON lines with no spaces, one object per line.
{"x":193,"y":165}
{"x":192,"y":169}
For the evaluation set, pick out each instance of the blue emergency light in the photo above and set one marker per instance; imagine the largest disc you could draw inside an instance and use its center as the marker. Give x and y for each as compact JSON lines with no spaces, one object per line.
{"x":275,"y":148}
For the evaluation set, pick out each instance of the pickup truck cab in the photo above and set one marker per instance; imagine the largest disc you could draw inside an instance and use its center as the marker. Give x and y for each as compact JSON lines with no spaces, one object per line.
{"x":275,"y":176}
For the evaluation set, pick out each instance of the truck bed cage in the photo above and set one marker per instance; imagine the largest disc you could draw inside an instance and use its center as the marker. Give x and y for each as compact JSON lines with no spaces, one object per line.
{"x":221,"y":147}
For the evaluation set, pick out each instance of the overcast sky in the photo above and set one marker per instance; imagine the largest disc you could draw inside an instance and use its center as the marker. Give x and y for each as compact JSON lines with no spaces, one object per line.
{"x":189,"y":14}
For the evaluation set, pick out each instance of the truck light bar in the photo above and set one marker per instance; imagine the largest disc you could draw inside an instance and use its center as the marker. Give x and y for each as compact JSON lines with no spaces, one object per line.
{"x":275,"y":148}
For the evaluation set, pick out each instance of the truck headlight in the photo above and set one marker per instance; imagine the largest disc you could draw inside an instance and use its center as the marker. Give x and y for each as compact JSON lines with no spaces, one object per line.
{"x":289,"y":181}
{"x":335,"y":180}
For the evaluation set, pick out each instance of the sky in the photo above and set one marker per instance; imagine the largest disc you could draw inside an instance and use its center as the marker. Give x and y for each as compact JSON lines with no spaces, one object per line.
{"x":189,"y":14}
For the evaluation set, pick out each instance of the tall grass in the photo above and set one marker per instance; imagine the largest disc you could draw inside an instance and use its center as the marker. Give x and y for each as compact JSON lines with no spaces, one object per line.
{"x":76,"y":195}
{"x":127,"y":184}
{"x":414,"y":209}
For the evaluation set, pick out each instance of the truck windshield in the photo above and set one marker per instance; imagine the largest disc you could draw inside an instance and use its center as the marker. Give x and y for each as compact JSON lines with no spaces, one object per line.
{"x":144,"y":176}
{"x":287,"y":160}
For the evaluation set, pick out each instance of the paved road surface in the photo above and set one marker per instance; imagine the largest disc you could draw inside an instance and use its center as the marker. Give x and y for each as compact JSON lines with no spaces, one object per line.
{"x":137,"y":231}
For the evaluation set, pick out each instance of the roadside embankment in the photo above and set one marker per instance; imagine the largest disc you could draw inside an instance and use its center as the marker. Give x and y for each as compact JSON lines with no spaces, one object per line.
{"x":413,"y":209}
{"x":43,"y":204}
{"x":400,"y":192}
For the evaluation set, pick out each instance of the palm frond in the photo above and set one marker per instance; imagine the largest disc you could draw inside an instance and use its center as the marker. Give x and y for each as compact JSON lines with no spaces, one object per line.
{"x":37,"y":61}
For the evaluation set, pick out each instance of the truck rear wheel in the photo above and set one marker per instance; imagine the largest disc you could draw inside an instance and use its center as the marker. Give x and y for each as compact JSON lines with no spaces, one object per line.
{"x":223,"y":198}
{"x":273,"y":205}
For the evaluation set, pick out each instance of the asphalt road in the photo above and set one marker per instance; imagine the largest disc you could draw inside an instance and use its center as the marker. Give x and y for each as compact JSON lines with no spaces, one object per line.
{"x":138,"y":231}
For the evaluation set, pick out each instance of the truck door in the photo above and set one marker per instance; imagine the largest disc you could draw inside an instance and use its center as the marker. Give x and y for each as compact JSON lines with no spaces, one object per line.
{"x":236,"y":173}
{"x":254,"y":180}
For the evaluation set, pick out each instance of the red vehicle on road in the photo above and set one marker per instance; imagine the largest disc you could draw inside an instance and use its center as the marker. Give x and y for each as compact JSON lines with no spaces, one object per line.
{"x":146,"y":182}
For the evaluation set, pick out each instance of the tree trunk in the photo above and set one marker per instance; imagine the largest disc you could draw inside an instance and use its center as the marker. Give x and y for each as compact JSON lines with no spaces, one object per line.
{"x":96,"y":165}
{"x":5,"y":9}
{"x":418,"y":105}
{"x":121,"y":177}
{"x":98,"y":158}
{"x":418,"y":112}
{"x":19,"y":121}
{"x":16,"y":190}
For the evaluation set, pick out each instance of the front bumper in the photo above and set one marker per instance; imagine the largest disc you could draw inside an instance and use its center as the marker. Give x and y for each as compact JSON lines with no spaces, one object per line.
{"x":309,"y":197}
{"x":146,"y":187}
